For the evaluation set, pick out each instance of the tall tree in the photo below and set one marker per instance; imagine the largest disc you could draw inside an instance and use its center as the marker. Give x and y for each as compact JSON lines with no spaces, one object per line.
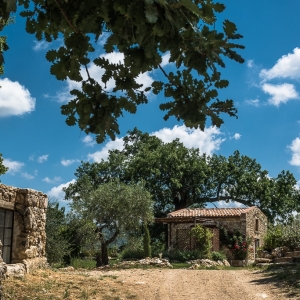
{"x":57,"y":242}
{"x":178,"y":177}
{"x":141,"y":32}
{"x":114,"y":208}
{"x":3,"y":169}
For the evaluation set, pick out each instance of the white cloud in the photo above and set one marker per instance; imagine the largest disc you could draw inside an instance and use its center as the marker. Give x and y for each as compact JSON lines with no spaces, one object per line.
{"x":280,"y":93}
{"x":103,"y":38}
{"x":250,"y":63}
{"x":57,"y":192}
{"x":88,"y":141}
{"x":42,"y":158}
{"x":236,"y":136}
{"x":12,"y":165}
{"x":295,"y":148}
{"x":288,"y":66}
{"x":68,"y":162}
{"x":165,"y":59}
{"x":208,"y":141}
{"x":15,"y":99}
{"x":230,"y":204}
{"x":103,"y":153}
{"x":254,"y":102}
{"x":40,"y":45}
{"x":56,"y":179}
{"x":27,"y":176}
{"x":63,"y":96}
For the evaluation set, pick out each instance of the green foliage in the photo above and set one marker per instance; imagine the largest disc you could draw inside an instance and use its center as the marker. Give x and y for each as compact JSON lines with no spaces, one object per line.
{"x":112,"y":209}
{"x":132,"y":253}
{"x":57,"y":243}
{"x":273,"y":237}
{"x":78,"y":263}
{"x":146,"y":241}
{"x":3,"y":169}
{"x":183,"y":256}
{"x":217,"y":256}
{"x":291,"y":234}
{"x":203,"y":237}
{"x":235,"y":241}
{"x":178,"y":177}
{"x":143,"y":32}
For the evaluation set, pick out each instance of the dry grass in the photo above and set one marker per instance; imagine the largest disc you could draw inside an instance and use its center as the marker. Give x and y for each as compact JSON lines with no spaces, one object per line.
{"x":76,"y":285}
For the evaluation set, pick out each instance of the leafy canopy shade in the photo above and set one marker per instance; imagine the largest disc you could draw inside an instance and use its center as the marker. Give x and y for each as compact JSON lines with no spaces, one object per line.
{"x":142,"y":31}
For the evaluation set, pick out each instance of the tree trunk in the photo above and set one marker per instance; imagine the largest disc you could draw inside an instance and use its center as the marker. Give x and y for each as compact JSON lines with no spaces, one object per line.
{"x":104,"y":254}
{"x":180,"y":201}
{"x":102,"y":257}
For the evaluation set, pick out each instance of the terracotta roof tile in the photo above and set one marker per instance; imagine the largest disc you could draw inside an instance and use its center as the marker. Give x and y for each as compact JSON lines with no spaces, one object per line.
{"x":209,"y":212}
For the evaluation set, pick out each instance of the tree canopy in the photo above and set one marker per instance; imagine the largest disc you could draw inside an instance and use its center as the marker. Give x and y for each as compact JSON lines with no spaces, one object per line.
{"x":113,"y":209}
{"x":178,"y":177}
{"x":142,"y":32}
{"x":3,"y":169}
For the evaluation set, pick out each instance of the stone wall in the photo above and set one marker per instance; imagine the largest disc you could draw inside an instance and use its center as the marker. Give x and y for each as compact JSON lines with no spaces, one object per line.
{"x":29,"y":237}
{"x":252,"y":223}
{"x":255,"y":218}
{"x":2,"y":277}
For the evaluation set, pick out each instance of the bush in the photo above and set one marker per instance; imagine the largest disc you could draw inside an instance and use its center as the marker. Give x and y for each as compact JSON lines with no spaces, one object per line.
{"x":291,"y":234}
{"x":283,"y":235}
{"x":132,"y":253}
{"x":182,"y":256}
{"x":203,"y":238}
{"x":157,"y":247}
{"x":218,"y":256}
{"x":273,"y":237}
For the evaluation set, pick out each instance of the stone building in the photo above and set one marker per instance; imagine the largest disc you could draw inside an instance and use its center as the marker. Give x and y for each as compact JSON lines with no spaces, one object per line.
{"x":22,"y":227}
{"x":249,"y":221}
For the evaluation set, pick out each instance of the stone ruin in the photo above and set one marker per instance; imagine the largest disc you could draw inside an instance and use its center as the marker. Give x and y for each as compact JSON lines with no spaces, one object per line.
{"x":22,"y":229}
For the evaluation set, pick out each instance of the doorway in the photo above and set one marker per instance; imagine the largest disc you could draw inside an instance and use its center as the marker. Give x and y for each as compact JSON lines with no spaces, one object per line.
{"x":6,"y":233}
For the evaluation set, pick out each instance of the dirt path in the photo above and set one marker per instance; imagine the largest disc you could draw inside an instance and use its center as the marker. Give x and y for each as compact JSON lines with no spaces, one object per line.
{"x":165,"y":284}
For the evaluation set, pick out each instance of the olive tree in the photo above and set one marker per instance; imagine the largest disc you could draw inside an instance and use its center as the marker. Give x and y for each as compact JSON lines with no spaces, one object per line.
{"x":113,"y":209}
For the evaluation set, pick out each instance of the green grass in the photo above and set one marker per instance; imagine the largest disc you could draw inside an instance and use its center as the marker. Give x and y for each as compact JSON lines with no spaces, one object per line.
{"x":78,"y":263}
{"x":180,"y":265}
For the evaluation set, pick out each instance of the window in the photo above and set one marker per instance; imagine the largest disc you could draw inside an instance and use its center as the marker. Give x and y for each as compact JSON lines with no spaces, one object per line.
{"x":256,"y":224}
{"x":6,"y":233}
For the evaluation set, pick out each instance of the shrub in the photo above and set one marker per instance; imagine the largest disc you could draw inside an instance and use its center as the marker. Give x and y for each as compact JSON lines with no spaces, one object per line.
{"x":182,"y":256}
{"x":157,"y":247}
{"x":217,"y":256}
{"x":235,"y":241}
{"x":273,"y":237}
{"x":291,"y":234}
{"x":128,"y":253}
{"x":203,"y":238}
{"x":146,"y":242}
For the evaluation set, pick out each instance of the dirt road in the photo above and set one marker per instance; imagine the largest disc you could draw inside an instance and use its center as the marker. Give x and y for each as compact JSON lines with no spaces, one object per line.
{"x":166,"y":284}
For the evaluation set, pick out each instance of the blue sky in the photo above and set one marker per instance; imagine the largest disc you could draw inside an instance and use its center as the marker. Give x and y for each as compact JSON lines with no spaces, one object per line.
{"x":43,"y":153}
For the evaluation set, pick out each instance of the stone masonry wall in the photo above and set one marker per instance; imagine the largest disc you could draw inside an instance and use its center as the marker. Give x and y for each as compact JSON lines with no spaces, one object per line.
{"x":253,"y":218}
{"x":29,"y":237}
